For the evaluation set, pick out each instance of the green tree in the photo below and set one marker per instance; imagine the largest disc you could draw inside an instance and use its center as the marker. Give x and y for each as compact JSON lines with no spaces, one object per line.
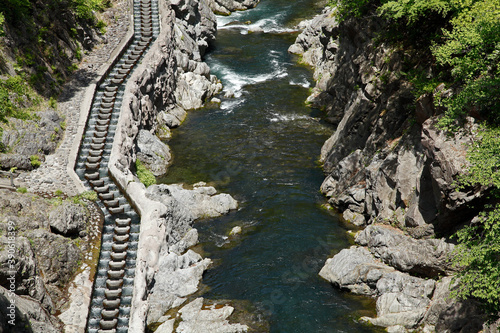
{"x":472,"y":51}
{"x":477,"y":254}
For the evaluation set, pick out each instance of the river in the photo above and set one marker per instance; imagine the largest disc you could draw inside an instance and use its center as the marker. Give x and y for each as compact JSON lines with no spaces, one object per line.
{"x":262,"y":147}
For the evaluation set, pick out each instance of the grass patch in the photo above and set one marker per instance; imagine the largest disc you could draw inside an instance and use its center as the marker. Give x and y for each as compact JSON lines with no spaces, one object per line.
{"x":145,"y":176}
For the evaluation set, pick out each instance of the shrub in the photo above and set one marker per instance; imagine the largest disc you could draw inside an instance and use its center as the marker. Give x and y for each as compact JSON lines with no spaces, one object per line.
{"x":22,"y":190}
{"x":53,"y":103}
{"x":89,"y":195}
{"x":145,"y":176}
{"x":35,"y":161}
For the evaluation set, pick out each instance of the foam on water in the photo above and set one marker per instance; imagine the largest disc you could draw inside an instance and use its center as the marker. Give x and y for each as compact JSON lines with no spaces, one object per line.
{"x":234,"y":81}
{"x":283,"y":117}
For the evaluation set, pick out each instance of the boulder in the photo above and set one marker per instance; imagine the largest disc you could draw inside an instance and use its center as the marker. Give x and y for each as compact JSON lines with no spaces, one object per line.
{"x":197,"y":318}
{"x":201,"y":202}
{"x":69,"y":220}
{"x":225,"y":7}
{"x":425,"y":257}
{"x":403,"y":300}
{"x":59,"y":261}
{"x":153,"y":153}
{"x":354,"y":218}
{"x":355,"y":269}
{"x":177,"y":277}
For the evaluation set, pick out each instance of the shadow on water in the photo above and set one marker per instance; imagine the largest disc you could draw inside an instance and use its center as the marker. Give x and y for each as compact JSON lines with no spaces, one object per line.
{"x":262,"y":147}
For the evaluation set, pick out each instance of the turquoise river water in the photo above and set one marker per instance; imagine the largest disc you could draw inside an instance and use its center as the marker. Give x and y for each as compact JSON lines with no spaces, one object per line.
{"x":262,"y":147}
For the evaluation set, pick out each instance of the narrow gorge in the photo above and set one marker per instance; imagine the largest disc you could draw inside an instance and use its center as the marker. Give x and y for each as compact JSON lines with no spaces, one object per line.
{"x":228,"y":166}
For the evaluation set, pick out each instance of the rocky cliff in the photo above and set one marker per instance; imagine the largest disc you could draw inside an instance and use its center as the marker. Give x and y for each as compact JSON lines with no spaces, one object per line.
{"x":43,"y":243}
{"x":389,"y":168}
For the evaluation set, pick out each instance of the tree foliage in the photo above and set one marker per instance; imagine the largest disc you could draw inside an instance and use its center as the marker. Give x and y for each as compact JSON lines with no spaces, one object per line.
{"x":477,"y":254}
{"x":472,"y":51}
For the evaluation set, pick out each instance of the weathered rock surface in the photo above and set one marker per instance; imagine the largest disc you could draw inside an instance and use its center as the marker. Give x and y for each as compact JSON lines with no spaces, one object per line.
{"x":174,"y":80}
{"x":44,"y":261}
{"x":153,"y":153}
{"x":195,"y":28}
{"x":380,"y":165}
{"x":225,"y":7}
{"x":29,"y":315}
{"x":402,"y":299}
{"x":25,"y":138}
{"x":201,"y":202}
{"x":458,"y":316}
{"x":198,"y":319}
{"x":178,"y":276}
{"x":355,"y":269}
{"x":69,"y":219}
{"x":429,"y":257}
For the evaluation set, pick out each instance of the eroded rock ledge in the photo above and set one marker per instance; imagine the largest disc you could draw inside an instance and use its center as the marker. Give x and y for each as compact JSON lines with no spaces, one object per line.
{"x":389,"y":168}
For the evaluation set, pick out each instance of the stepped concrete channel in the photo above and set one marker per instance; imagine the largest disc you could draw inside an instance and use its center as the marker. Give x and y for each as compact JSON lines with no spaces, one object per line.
{"x":110,"y":305}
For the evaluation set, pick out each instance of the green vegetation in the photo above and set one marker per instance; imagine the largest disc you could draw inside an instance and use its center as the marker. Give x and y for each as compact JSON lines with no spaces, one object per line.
{"x":22,"y":190}
{"x":2,"y":20}
{"x":35,"y":161}
{"x":17,"y":98}
{"x":478,"y":249}
{"x":459,"y":40}
{"x":145,"y":176}
{"x":42,"y":61}
{"x":89,"y":195}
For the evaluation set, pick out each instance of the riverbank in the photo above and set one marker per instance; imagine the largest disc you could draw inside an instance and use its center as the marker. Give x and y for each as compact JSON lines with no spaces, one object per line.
{"x":262,"y":146}
{"x":391,"y":171}
{"x":171,"y":80}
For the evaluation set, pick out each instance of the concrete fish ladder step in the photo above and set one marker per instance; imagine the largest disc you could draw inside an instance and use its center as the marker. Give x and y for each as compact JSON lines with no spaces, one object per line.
{"x":113,"y":284}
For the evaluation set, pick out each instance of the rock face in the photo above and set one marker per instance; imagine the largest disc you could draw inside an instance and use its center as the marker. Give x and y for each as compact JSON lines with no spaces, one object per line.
{"x":25,"y":138}
{"x":48,"y":240}
{"x":388,"y":163}
{"x":29,"y":315}
{"x":381,"y":165}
